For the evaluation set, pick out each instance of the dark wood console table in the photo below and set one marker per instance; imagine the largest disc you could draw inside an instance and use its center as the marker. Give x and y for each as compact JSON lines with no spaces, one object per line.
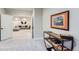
{"x":57,"y":41}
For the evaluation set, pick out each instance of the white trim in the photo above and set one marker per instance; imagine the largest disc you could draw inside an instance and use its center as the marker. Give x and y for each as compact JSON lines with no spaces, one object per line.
{"x":39,"y":38}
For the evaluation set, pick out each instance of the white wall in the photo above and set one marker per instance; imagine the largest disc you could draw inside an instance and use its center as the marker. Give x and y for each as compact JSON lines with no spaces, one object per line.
{"x":74,"y":22}
{"x":37,"y":22}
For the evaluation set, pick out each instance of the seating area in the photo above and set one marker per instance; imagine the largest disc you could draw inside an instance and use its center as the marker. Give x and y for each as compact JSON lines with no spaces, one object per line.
{"x":20,"y":27}
{"x":21,"y":23}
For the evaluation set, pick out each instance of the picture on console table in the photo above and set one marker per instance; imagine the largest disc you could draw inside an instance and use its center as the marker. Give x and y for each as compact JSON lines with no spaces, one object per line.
{"x":60,"y":20}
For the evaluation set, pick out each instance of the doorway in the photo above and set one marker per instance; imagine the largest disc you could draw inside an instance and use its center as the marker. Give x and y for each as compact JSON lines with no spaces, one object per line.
{"x":17,"y":22}
{"x":22,"y":27}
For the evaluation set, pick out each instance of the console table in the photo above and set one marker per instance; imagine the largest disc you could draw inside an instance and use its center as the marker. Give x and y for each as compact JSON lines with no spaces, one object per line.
{"x":56,"y":41}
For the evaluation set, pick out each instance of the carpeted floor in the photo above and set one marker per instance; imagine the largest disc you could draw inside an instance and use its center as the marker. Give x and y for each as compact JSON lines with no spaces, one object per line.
{"x":22,"y":42}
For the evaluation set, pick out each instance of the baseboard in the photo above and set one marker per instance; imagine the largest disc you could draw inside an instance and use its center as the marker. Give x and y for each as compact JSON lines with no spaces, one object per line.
{"x":40,"y":38}
{"x":6,"y":39}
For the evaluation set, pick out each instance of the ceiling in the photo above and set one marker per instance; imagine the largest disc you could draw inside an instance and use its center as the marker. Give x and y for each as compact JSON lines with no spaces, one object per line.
{"x":19,"y":9}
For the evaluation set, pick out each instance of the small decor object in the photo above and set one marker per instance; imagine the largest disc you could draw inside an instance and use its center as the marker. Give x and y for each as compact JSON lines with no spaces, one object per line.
{"x":60,"y":20}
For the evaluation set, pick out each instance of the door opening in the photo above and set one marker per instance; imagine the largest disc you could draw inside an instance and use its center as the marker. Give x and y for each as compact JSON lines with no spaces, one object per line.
{"x":22,"y":27}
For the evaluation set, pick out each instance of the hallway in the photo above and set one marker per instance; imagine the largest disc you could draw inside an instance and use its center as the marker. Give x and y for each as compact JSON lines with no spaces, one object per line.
{"x":20,"y":42}
{"x":22,"y":34}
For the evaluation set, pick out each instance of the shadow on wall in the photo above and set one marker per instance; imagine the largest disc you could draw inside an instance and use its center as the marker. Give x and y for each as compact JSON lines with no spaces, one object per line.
{"x":75,"y":43}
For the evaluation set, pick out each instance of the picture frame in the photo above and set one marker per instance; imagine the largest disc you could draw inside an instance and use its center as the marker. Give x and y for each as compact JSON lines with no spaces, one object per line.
{"x":60,"y":20}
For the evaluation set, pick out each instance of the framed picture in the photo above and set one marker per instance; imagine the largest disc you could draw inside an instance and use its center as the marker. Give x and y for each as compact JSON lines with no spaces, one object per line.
{"x":60,"y":20}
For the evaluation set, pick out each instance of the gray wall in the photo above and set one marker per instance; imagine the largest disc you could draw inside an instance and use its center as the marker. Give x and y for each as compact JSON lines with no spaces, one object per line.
{"x":74,"y":22}
{"x":2,"y":11}
{"x":37,"y":22}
